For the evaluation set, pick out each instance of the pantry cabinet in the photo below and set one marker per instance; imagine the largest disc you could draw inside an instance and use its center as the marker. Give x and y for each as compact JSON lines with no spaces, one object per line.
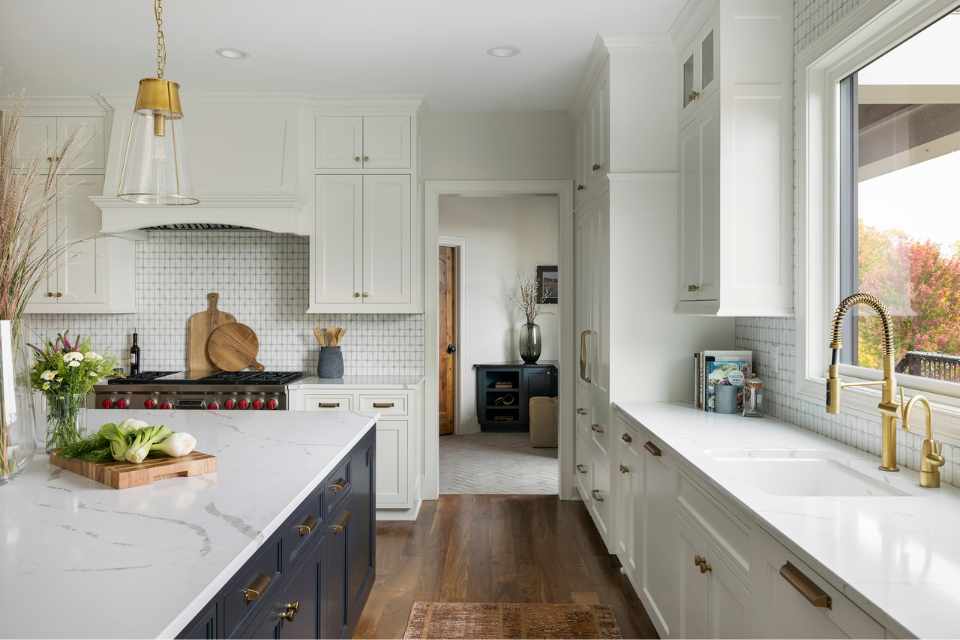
{"x":362,"y":142}
{"x":735,"y":66}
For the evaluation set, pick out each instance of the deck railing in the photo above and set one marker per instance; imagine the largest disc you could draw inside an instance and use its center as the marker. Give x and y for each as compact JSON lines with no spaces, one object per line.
{"x":938,"y":366}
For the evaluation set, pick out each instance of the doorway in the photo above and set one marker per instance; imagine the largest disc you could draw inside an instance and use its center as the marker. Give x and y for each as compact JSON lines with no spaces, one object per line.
{"x":449,"y":291}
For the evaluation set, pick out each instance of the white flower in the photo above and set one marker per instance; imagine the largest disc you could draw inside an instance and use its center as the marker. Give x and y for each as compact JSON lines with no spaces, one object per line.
{"x":93,"y":374}
{"x":48,"y":375}
{"x":91,"y":355}
{"x":46,"y":386}
{"x":73,"y":356}
{"x":73,"y":363}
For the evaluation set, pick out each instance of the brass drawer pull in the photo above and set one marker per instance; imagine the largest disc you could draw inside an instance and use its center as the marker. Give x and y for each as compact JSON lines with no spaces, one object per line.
{"x":341,"y":526}
{"x":581,"y":468}
{"x":624,"y":469}
{"x":652,"y":449}
{"x":256,"y":589}
{"x":307,"y":526}
{"x":807,"y":587}
{"x":290,"y":611}
{"x":701,"y":562}
{"x":627,"y":438}
{"x":596,"y":495}
{"x":339,"y":485}
{"x":328,"y":405}
{"x":384,"y":405}
{"x":596,"y":428}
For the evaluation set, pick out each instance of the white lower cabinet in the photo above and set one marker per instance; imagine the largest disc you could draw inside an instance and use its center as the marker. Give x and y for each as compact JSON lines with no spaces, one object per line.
{"x":704,"y":568}
{"x":398,"y":437}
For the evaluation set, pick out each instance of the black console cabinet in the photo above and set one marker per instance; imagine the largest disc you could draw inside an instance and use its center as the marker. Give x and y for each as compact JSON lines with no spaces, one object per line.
{"x":312,"y":577}
{"x":504,"y":392}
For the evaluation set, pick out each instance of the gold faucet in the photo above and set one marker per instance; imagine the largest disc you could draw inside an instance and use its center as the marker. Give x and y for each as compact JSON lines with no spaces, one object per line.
{"x":932,"y":453}
{"x":889,"y":410}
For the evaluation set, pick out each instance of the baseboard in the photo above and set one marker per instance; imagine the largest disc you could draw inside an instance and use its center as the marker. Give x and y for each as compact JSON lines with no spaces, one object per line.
{"x":400,"y":515}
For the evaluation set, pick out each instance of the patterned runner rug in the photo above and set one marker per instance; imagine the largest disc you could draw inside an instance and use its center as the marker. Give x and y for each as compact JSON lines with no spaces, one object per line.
{"x":456,"y":620}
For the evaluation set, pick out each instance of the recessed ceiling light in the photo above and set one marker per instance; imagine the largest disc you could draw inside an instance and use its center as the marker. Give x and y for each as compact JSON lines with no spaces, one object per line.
{"x":232,"y":54}
{"x":505,"y":51}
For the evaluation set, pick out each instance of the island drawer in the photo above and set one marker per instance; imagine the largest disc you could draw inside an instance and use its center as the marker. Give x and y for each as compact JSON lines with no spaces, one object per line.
{"x":336,"y":487}
{"x":252,"y":586}
{"x":302,"y":527}
{"x":327,"y":402}
{"x":386,"y":405}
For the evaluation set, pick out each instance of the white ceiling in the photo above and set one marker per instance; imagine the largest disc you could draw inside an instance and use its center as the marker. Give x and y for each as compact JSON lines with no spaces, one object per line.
{"x":337,"y":48}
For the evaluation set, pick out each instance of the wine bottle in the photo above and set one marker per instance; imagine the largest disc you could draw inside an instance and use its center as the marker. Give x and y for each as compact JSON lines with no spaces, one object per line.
{"x":134,"y":356}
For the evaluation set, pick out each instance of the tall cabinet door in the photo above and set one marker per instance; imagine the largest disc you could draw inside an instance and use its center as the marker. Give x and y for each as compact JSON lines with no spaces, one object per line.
{"x":339,"y":142}
{"x":387,"y":231}
{"x":691,"y":227}
{"x":338,"y":239}
{"x":82,"y":269}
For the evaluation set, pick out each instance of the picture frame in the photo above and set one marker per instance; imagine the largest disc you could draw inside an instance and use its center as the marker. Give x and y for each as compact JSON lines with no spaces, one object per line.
{"x":548,"y":284}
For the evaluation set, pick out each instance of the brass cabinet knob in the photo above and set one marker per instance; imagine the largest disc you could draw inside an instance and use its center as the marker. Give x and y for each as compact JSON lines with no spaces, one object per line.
{"x":290,"y":611}
{"x":59,"y":294}
{"x":581,"y":468}
{"x":50,"y":294}
{"x":693,"y":287}
{"x":702,"y":563}
{"x":597,"y":495}
{"x":627,"y":438}
{"x":581,"y":411}
{"x":692,"y":96}
{"x":306,"y":527}
{"x":366,"y":158}
{"x":596,"y":428}
{"x":365,"y":294}
{"x":624,"y":469}
{"x":356,"y":158}
{"x":338,"y":486}
{"x":580,"y":187}
{"x":356,"y":294}
{"x":597,"y":166}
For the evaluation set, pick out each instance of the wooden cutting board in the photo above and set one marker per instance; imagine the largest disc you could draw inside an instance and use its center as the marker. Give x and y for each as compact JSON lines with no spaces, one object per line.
{"x":234,"y":347}
{"x":123,"y":475}
{"x":199,"y":327}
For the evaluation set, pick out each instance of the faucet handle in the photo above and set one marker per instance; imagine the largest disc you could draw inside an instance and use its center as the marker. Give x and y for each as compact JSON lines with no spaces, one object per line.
{"x":935,"y":453}
{"x":904,"y":412}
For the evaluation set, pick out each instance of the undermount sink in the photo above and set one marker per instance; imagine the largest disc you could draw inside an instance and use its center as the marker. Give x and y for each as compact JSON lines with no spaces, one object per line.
{"x":797,"y":472}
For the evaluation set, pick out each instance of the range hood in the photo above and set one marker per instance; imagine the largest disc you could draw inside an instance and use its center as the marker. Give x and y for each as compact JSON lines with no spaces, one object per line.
{"x":245,"y":161}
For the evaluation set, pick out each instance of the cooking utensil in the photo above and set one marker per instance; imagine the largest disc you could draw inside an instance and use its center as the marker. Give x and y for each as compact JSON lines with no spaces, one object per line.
{"x":199,"y":327}
{"x":234,"y":347}
{"x":329,"y":337}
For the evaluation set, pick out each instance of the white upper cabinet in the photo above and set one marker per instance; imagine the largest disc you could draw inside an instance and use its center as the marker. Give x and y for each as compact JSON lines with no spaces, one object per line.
{"x":736,"y":163}
{"x":387,"y":229}
{"x":362,"y":142}
{"x":36,"y":140}
{"x":41,"y":137}
{"x":338,"y":239}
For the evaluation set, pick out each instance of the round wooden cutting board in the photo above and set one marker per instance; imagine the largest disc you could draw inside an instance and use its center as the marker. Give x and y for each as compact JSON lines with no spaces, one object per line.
{"x":233,"y":347}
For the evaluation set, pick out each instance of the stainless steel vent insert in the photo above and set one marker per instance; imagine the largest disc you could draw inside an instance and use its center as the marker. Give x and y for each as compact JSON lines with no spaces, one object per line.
{"x":195,"y":226}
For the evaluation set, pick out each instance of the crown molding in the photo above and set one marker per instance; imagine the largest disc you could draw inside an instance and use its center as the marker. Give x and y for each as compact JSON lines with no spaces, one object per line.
{"x":360,"y":105}
{"x":690,"y":20}
{"x":55,"y":105}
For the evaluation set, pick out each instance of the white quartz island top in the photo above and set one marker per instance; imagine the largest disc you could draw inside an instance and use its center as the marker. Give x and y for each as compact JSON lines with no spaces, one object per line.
{"x":896,"y":557}
{"x":359,"y":382}
{"x":80,"y":559}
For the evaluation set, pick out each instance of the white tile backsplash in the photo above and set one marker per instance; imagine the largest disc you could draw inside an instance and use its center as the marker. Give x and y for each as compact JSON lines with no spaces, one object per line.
{"x":774,"y":340}
{"x":263,"y":280}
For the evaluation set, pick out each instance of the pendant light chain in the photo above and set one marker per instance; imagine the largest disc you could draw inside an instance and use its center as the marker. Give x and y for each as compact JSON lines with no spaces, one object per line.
{"x":161,"y":42}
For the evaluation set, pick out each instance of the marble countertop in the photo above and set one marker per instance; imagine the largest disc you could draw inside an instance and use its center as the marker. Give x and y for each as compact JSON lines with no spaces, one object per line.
{"x":82,"y":560}
{"x":896,"y":557}
{"x":359,"y":382}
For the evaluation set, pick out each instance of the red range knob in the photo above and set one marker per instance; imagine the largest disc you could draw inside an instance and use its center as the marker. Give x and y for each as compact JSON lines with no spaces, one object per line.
{"x":213,"y":405}
{"x":166,"y":404}
{"x":230,"y":403}
{"x":272,"y":404}
{"x":149,"y":403}
{"x":107,"y":404}
{"x":123,"y":403}
{"x":258,"y":403}
{"x":243,"y":403}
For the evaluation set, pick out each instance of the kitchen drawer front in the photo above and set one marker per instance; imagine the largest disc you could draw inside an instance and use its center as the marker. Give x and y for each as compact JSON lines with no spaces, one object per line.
{"x":385,"y":405}
{"x":729,"y":533}
{"x":302,"y":528}
{"x":328,"y":402}
{"x":253,"y":585}
{"x":335,"y":488}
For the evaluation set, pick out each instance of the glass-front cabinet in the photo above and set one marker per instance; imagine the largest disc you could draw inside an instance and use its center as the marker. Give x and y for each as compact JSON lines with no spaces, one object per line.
{"x":699,"y":69}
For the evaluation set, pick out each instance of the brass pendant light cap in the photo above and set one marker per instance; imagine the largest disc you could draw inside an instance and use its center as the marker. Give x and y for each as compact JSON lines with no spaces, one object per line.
{"x":159,"y":96}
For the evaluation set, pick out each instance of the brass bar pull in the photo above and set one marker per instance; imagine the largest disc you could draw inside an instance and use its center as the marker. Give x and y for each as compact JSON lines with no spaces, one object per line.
{"x":307,"y":526}
{"x":581,"y":468}
{"x":384,"y":405}
{"x":627,"y":438}
{"x":290,"y":611}
{"x":338,"y":486}
{"x":328,"y":405}
{"x":596,"y":495}
{"x":652,"y":449}
{"x":583,"y":355}
{"x":596,"y":428}
{"x":341,"y":525}
{"x":807,"y":587}
{"x":256,"y":589}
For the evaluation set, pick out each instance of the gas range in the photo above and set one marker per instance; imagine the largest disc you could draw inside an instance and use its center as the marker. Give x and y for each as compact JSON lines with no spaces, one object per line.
{"x":243,"y":390}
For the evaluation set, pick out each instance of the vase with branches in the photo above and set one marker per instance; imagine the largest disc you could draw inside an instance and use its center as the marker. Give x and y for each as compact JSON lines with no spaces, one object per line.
{"x":525,"y":298}
{"x":26,"y":195}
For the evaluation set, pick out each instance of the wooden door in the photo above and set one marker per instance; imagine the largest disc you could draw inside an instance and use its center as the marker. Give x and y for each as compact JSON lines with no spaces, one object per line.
{"x":387,"y":238}
{"x":448,"y":338}
{"x":338,"y":239}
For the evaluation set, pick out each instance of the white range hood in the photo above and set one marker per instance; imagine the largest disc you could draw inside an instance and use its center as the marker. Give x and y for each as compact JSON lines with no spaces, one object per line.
{"x":244,"y":159}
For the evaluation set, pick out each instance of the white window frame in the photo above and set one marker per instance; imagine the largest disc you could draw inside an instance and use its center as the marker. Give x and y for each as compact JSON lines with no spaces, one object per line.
{"x":867,"y":33}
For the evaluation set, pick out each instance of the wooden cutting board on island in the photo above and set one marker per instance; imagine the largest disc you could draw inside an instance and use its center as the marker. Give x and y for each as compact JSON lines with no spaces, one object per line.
{"x":199,"y":327}
{"x":123,"y":475}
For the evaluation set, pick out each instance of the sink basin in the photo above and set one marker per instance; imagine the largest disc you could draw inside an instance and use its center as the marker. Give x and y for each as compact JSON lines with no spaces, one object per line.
{"x":796,"y":472}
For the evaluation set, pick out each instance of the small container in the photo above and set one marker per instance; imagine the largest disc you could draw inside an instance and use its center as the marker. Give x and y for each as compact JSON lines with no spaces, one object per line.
{"x":726,"y":400}
{"x":753,"y":398}
{"x":330,"y":363}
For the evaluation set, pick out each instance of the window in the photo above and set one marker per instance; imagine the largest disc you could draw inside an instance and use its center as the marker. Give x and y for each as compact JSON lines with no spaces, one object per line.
{"x":899,"y":201}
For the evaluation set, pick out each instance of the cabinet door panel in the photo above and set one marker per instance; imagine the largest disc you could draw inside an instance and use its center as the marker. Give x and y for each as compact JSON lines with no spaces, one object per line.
{"x":392,"y":485}
{"x":360,"y":540}
{"x":36,"y":140}
{"x":82,"y":269}
{"x":339,"y":142}
{"x":599,"y":139}
{"x":386,"y":142}
{"x":691,"y":226}
{"x":659,"y":567}
{"x":338,"y":239}
{"x":333,"y":580}
{"x":47,"y":286}
{"x":301,"y":598}
{"x":89,"y":152}
{"x":694,"y":585}
{"x":387,"y":229}
{"x":709,"y":125}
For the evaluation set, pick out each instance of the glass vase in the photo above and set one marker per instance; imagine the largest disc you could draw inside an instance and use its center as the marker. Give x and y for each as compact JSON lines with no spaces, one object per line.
{"x":530,"y":342}
{"x":66,"y":419}
{"x":16,"y":408}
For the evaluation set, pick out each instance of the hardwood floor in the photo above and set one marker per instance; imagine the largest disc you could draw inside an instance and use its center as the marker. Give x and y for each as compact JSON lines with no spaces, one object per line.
{"x":496,"y":548}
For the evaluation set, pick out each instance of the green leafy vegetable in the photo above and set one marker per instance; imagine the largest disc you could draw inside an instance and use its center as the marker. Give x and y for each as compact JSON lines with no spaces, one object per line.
{"x":143,"y":440}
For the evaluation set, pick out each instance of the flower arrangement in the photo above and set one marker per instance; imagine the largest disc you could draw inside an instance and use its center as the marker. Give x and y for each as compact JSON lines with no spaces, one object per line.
{"x":526,"y":298}
{"x":66,"y":371}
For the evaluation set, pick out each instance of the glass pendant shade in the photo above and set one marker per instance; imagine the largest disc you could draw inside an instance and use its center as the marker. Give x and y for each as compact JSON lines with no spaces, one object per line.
{"x":154,"y":170}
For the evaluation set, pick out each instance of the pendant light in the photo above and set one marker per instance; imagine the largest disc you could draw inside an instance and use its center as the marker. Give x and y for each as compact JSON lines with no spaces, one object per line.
{"x":154,"y":171}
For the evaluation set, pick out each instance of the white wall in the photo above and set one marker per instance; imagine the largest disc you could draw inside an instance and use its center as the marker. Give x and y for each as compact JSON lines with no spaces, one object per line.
{"x":504,"y":236}
{"x":496,"y":146}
